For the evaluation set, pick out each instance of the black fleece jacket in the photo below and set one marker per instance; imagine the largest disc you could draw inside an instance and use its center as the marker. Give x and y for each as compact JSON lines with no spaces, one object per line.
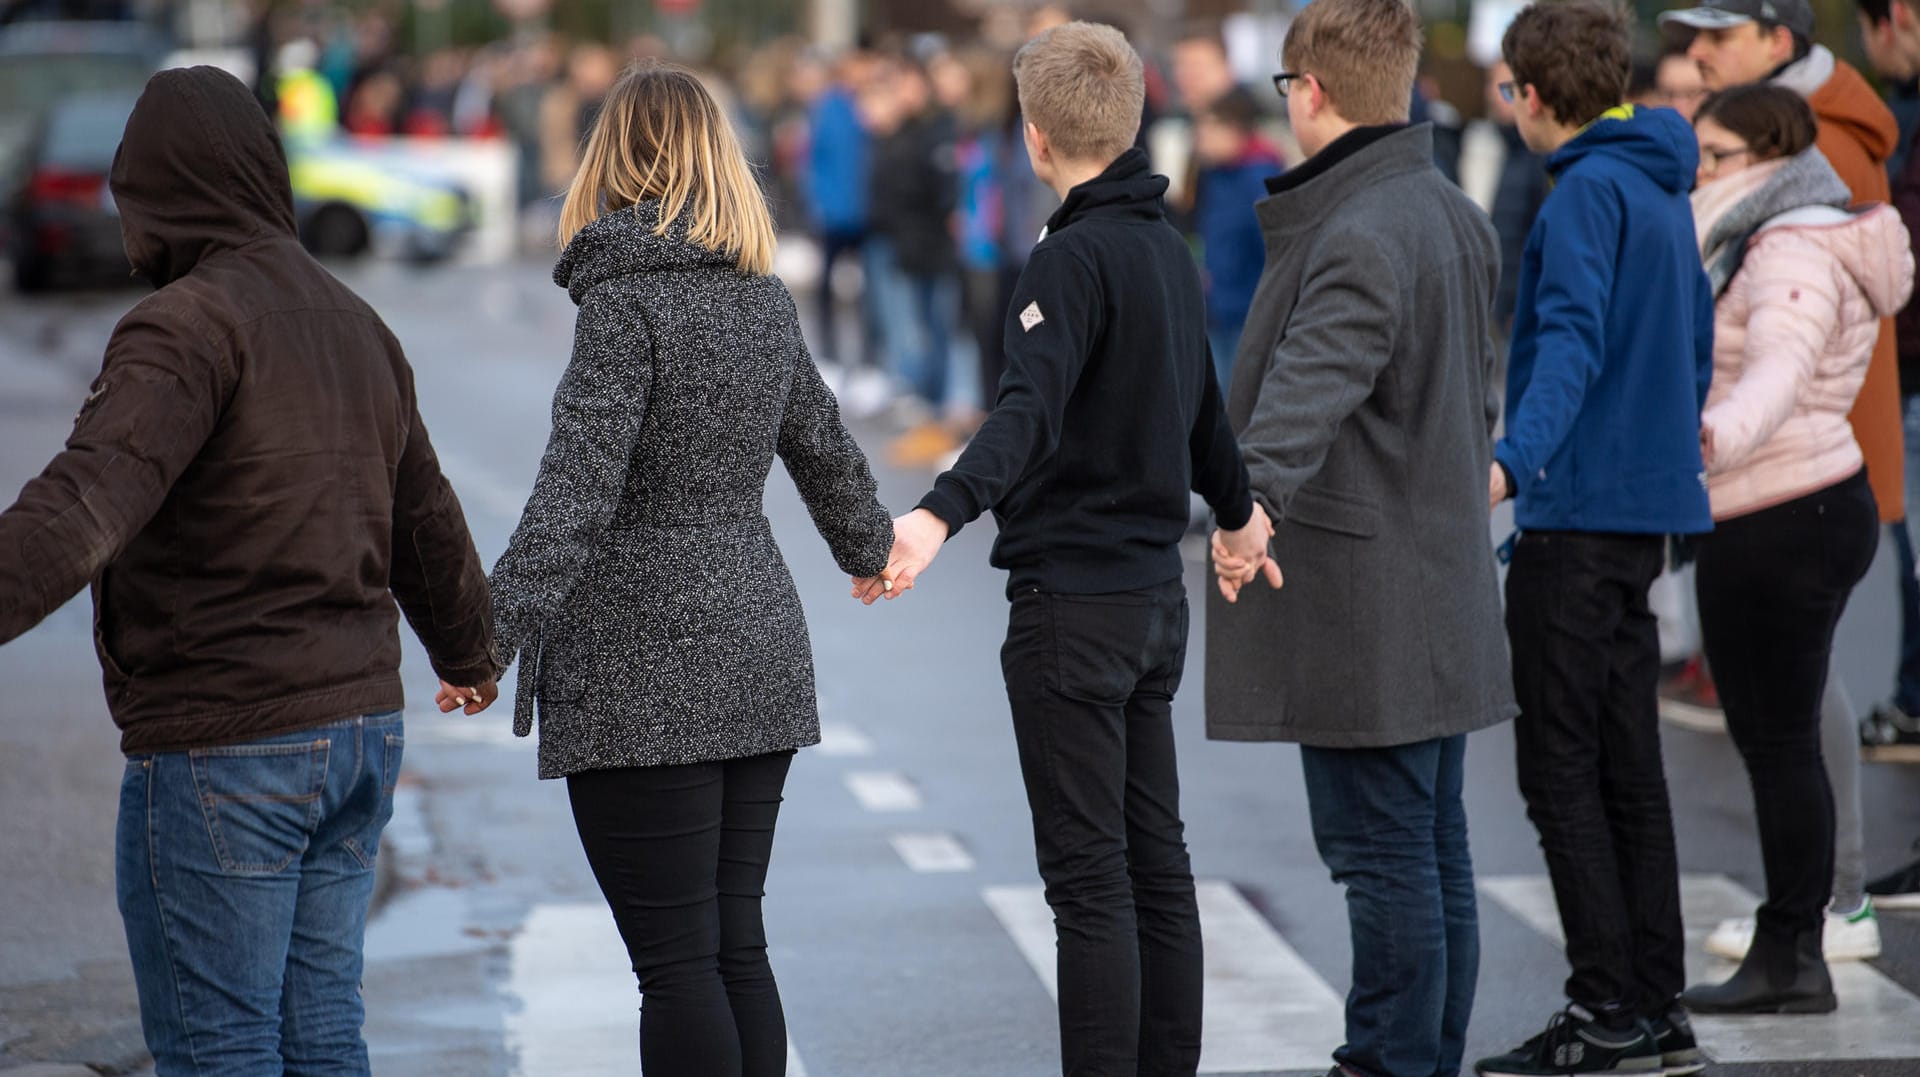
{"x":1109,"y":412}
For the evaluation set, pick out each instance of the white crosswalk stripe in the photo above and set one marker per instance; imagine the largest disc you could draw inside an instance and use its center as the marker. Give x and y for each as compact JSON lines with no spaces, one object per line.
{"x":577,"y":1010}
{"x":843,"y":740}
{"x":1266,"y":1009}
{"x":883,"y":791}
{"x":932,"y":852}
{"x":1877,"y":1018}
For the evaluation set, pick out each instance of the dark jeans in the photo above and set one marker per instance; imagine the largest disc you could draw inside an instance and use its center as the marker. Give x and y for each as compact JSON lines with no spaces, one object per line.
{"x":681,"y":854}
{"x":1091,"y":680}
{"x":244,"y":873}
{"x":1772,"y":587}
{"x":834,"y":245}
{"x":1586,"y":672}
{"x":1391,"y":826}
{"x":1906,"y":685}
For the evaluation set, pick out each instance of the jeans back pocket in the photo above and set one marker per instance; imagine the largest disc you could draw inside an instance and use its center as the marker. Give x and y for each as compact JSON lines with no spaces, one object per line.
{"x":260,"y":801}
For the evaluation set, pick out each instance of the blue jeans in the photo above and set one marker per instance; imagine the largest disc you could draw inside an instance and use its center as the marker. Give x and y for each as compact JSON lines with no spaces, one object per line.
{"x":918,"y":311}
{"x":244,"y":875}
{"x":1390,"y":824}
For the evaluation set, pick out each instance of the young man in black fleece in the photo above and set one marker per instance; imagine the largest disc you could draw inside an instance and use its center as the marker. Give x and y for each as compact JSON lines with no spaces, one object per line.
{"x":1107,"y":416}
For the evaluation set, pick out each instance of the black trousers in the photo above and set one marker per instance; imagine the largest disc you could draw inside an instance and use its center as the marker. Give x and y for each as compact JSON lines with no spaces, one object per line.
{"x":833,"y":245}
{"x":1091,"y":680}
{"x":681,"y":854}
{"x":1586,"y":667}
{"x":1772,"y":587}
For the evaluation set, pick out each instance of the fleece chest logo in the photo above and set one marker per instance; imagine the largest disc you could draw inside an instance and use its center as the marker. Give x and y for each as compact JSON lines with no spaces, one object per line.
{"x":1031,"y":316}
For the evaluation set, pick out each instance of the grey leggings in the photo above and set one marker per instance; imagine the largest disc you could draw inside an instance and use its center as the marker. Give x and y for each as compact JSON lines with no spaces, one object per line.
{"x":1840,"y":747}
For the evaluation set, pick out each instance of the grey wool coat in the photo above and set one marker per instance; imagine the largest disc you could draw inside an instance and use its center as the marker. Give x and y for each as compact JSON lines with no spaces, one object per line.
{"x":654,"y":618}
{"x":1362,"y":399}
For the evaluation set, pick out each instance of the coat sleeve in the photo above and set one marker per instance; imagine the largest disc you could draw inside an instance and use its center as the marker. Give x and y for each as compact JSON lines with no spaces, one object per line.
{"x":160,"y":393}
{"x":598,"y":410}
{"x":832,"y":475}
{"x":1703,"y":315}
{"x":1044,"y":362}
{"x":1579,"y":229}
{"x":1332,"y":350}
{"x":1794,"y":295}
{"x":436,"y":574}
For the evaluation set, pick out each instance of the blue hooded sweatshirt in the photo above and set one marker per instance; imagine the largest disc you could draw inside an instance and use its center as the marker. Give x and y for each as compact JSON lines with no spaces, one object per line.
{"x":836,"y":175}
{"x":1612,"y":338}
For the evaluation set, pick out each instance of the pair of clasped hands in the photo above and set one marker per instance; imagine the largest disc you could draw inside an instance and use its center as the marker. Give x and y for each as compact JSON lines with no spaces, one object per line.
{"x":1238,"y":556}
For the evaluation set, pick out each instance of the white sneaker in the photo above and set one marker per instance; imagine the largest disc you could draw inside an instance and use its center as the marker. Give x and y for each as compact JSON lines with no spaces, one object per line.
{"x":1845,"y":938}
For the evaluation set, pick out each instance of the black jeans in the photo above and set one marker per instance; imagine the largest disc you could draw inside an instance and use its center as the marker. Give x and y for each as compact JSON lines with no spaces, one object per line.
{"x":1586,"y":667}
{"x":681,"y":854}
{"x":833,"y":245}
{"x":1091,"y":680}
{"x":1772,"y":587}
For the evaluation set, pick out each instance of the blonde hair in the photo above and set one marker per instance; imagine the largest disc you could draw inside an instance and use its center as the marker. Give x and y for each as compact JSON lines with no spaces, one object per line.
{"x":1083,"y":86}
{"x":1364,"y":54}
{"x":660,"y":136}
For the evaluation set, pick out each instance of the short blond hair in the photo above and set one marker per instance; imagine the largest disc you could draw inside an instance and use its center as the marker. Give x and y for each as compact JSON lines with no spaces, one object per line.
{"x":660,"y":136}
{"x":1364,"y":54}
{"x":1084,"y":87}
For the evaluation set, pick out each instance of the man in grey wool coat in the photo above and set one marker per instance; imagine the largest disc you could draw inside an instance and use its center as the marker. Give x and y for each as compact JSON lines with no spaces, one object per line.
{"x":1363,"y":403}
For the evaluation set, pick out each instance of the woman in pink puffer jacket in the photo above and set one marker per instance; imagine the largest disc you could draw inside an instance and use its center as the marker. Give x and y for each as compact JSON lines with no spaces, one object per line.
{"x":1800,"y":283}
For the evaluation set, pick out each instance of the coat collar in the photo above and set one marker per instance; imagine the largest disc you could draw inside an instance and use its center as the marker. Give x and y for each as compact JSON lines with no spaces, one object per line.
{"x":1359,"y":159}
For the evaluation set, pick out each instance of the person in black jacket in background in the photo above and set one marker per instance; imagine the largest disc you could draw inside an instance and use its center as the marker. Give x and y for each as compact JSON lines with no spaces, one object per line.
{"x":915,"y":190}
{"x":1107,"y":416}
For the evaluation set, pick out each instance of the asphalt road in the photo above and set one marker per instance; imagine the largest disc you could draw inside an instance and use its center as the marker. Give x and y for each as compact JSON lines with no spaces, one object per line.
{"x":903,"y":906}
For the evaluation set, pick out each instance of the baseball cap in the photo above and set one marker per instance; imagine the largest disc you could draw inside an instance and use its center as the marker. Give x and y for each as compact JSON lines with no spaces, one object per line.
{"x":1795,"y":15}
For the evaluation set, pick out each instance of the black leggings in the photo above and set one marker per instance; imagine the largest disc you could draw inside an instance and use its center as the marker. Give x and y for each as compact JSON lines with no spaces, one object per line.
{"x":1772,"y":587}
{"x":681,"y":854}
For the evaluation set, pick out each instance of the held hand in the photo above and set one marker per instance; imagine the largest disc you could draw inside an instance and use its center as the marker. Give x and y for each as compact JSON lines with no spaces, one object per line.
{"x":1706,"y":445}
{"x":1239,"y":556}
{"x":917,"y":538}
{"x":1496,"y":487}
{"x":474,"y":700}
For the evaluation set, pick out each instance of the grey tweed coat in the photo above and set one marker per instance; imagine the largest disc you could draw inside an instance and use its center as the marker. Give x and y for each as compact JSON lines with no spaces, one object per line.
{"x":653,"y":616}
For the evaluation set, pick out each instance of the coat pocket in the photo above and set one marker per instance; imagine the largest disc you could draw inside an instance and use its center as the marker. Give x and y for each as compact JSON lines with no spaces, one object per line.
{"x":1332,"y":510}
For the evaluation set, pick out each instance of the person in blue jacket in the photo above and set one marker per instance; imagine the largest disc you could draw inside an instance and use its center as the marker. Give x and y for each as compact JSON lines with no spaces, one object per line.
{"x":1612,"y":354}
{"x":1235,"y":164}
{"x":836,"y":191}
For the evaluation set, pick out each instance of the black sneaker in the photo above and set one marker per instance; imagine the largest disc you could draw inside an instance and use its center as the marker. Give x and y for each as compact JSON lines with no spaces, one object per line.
{"x":1898,"y":889}
{"x":1679,"y":1054}
{"x":1575,"y":1044}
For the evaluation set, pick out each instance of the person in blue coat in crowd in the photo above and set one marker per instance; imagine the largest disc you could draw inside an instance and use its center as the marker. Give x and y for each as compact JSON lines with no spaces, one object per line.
{"x":1235,"y":163}
{"x":838,"y":155}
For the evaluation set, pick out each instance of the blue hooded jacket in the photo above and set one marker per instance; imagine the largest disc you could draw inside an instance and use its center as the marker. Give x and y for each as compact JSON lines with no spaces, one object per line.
{"x":1612,"y":338}
{"x":836,"y":175}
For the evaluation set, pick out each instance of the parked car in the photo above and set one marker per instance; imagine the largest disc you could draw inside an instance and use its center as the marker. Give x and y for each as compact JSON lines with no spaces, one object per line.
{"x":44,"y":62}
{"x":65,"y":225}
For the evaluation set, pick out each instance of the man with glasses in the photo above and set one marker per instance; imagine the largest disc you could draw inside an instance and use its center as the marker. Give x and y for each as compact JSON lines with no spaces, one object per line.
{"x":1602,"y":453}
{"x":1361,"y":397}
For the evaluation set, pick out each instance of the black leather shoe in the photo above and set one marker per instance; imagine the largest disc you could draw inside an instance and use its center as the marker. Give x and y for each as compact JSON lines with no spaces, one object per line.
{"x":1778,"y":976}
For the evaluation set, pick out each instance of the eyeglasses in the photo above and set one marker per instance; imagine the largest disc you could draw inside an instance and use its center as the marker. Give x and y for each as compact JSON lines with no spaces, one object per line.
{"x":1509,"y":91}
{"x":1283,"y":82}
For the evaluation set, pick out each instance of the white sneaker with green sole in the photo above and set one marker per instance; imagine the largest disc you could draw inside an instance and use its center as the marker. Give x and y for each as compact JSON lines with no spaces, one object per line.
{"x":1845,"y":938}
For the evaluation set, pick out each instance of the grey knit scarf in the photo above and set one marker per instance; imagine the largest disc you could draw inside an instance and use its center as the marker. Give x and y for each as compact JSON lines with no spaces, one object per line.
{"x":1806,"y":180}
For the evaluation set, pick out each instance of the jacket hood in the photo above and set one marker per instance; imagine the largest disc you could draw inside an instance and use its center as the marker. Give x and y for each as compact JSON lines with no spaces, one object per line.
{"x":622,"y":243}
{"x":1128,"y":188}
{"x":1872,"y":246}
{"x":1846,"y":101}
{"x":199,"y":170}
{"x":1654,"y":140}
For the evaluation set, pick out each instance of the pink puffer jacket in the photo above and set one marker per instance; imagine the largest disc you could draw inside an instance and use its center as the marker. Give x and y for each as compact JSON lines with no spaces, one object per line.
{"x":1793,"y":333}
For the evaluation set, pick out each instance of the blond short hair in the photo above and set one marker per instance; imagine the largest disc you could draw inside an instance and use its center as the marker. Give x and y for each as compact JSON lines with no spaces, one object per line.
{"x":1084,"y":87}
{"x":661,"y":137}
{"x":1364,"y":54}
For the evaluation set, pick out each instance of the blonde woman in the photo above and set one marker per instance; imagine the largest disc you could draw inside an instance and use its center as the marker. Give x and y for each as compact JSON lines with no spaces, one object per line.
{"x":655,"y":622}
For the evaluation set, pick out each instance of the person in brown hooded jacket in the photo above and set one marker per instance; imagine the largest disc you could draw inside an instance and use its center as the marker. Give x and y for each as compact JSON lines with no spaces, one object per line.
{"x":248,"y":488}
